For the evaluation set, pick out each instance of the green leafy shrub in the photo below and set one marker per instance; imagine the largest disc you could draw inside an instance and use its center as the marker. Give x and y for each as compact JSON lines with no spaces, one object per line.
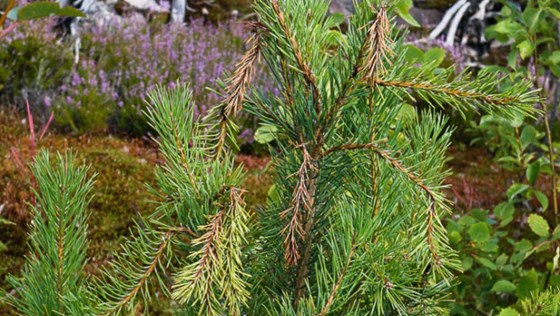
{"x":353,"y":222}
{"x":535,"y":55}
{"x":503,"y":265}
{"x":511,"y":255}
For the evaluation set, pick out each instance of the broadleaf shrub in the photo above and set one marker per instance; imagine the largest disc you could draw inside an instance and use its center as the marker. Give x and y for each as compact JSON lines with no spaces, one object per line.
{"x":522,"y":248}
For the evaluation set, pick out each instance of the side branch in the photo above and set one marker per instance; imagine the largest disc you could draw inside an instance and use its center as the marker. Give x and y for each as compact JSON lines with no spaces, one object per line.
{"x":303,"y":66}
{"x":181,"y":148}
{"x":336,"y":286}
{"x":241,"y":77}
{"x":378,"y":44}
{"x":140,"y":283}
{"x":197,"y":282}
{"x":209,"y":256}
{"x":302,"y":198}
{"x":311,"y":178}
{"x":214,"y":280}
{"x":237,"y":88}
{"x":234,"y":291}
{"x":489,"y":99}
{"x":432,"y":212}
{"x":222,"y":135}
{"x":375,"y":50}
{"x":209,"y":249}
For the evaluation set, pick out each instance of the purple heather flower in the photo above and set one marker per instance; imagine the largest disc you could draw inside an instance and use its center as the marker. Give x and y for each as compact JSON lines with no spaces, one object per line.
{"x":76,"y":79}
{"x":47,"y":101}
{"x":246,"y":136}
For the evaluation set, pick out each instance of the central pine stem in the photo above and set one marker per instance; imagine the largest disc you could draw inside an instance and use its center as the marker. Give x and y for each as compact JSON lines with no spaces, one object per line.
{"x":303,"y":268}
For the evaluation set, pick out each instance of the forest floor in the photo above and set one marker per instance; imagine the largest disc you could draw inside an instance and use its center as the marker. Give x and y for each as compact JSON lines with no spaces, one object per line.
{"x":125,"y":166}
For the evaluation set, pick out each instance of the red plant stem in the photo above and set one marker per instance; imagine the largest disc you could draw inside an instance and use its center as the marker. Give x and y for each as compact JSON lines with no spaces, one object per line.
{"x":7,"y":30}
{"x":32,"y":143}
{"x":44,"y":129}
{"x":32,"y":139}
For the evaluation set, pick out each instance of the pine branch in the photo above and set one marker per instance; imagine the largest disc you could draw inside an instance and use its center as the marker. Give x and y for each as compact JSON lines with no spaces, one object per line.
{"x":301,"y":198}
{"x":418,"y":181}
{"x":294,"y":47}
{"x":143,"y":256}
{"x":374,"y":52}
{"x":459,"y":93}
{"x":217,"y":272}
{"x":338,"y":282}
{"x":196,"y":280}
{"x":181,"y":148}
{"x":220,"y":116}
{"x":396,"y":164}
{"x":433,"y":223}
{"x":378,"y":45}
{"x":234,"y":288}
{"x":222,"y":136}
{"x":483,"y":93}
{"x":242,"y":76}
{"x":303,"y":268}
{"x":171,"y":114}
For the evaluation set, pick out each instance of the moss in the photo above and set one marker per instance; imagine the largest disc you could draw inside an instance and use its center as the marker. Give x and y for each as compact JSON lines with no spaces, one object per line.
{"x":119,"y":195}
{"x":258,"y":180}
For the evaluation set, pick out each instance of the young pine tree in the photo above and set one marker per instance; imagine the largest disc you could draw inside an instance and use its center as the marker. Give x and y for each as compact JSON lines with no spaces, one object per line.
{"x":52,"y":277}
{"x":352,"y":225}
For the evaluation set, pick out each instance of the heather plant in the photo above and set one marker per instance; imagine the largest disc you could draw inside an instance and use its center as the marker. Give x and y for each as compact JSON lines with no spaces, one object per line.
{"x":120,"y":61}
{"x":197,"y":53}
{"x":353,"y":223}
